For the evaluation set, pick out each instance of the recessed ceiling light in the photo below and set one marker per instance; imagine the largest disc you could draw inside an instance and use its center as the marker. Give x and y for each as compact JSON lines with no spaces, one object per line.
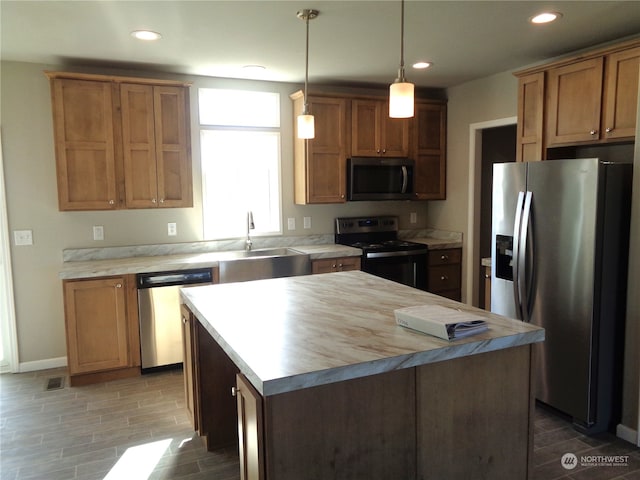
{"x":545,"y":17}
{"x":145,"y":35}
{"x":254,"y":68}
{"x":422,"y":65}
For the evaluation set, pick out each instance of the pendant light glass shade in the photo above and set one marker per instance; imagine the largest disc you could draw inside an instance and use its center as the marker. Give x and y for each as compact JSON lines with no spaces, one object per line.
{"x":401,"y":100}
{"x":401,"y":91}
{"x":306,"y":124}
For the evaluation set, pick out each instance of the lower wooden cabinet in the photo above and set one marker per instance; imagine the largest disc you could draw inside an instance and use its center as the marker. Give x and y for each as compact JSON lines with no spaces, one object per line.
{"x":189,"y":370}
{"x":445,"y":270}
{"x":250,"y":430}
{"x":103,"y":340}
{"x":328,"y":265}
{"x":487,"y":287}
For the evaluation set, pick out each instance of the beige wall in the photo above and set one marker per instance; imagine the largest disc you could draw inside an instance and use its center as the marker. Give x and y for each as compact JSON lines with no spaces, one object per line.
{"x":29,"y":163}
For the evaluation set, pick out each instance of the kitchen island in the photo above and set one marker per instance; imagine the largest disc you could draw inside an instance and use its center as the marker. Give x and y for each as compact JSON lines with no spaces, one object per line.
{"x":328,"y":386}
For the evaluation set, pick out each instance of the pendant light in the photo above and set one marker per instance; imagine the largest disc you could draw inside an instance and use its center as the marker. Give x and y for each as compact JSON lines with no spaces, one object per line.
{"x":401,"y":91}
{"x":306,"y":128}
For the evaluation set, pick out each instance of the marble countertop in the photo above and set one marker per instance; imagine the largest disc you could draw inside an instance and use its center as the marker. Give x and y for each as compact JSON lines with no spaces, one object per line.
{"x":438,"y":243}
{"x":286,"y":334}
{"x":159,"y":263}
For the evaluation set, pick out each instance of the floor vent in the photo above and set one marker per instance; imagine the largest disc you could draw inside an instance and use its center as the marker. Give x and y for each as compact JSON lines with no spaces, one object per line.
{"x":55,"y":383}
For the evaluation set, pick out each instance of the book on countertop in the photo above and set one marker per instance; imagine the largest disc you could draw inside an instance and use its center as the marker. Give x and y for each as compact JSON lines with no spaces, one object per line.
{"x":443,"y":322}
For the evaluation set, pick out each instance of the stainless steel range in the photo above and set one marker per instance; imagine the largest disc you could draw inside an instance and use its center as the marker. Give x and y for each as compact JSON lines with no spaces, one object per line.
{"x":383,"y":254}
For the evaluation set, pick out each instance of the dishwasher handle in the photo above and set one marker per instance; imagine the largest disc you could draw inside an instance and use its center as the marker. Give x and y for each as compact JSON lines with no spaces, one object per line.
{"x":177,"y":277}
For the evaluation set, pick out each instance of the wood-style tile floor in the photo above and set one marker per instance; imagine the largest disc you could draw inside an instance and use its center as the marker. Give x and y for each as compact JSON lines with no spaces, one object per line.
{"x":138,"y":429}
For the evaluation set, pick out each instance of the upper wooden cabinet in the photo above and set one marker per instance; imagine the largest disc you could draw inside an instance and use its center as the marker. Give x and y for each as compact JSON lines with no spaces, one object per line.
{"x":530,"y":117}
{"x":590,"y":99}
{"x":428,"y":149}
{"x":350,"y":126}
{"x":320,"y":164}
{"x":83,"y":121}
{"x":121,"y":142}
{"x":374,"y":133}
{"x":621,"y":94}
{"x":573,"y":102}
{"x":157,"y":164}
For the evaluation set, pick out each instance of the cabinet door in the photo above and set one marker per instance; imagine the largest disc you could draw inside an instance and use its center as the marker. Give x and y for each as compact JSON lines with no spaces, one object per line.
{"x":173,"y":152}
{"x":96,"y":324}
{"x":374,"y":133}
{"x":429,"y":150}
{"x":365,"y":128}
{"x":139,"y":145}
{"x":320,"y":164}
{"x":83,"y":120}
{"x":621,"y":94}
{"x":574,"y":101}
{"x":348,"y":263}
{"x":189,"y":350}
{"x":250,"y":430}
{"x":530,"y":117}
{"x":325,"y":265}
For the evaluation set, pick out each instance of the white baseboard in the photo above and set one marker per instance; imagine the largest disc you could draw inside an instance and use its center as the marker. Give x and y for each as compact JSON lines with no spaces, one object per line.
{"x":626,"y":433}
{"x":43,"y":364}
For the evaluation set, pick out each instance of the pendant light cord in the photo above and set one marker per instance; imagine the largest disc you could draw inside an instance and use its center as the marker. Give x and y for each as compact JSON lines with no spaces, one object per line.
{"x":306,"y":67}
{"x":401,"y":69}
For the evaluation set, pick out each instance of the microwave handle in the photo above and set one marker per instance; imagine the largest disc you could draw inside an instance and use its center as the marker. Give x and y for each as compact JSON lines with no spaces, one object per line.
{"x":405,"y":179}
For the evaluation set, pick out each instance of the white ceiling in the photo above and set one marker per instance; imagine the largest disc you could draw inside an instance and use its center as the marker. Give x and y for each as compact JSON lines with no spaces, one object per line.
{"x":351,"y":42}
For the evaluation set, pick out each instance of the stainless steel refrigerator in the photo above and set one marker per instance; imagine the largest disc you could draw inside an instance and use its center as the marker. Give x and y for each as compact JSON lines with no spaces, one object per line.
{"x":560,"y":234}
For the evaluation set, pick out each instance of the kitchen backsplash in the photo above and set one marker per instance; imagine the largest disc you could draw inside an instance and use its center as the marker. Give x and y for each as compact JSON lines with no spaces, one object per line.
{"x":105,"y":253}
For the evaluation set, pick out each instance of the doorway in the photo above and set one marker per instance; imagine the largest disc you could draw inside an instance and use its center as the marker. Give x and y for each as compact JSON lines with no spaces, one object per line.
{"x":497,"y":145}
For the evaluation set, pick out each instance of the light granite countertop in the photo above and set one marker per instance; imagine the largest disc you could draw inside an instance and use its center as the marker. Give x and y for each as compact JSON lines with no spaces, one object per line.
{"x":138,"y":262}
{"x":159,"y":263}
{"x":292,"y":333}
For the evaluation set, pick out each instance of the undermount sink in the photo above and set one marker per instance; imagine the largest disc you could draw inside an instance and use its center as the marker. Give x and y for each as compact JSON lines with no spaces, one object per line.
{"x":245,"y":265}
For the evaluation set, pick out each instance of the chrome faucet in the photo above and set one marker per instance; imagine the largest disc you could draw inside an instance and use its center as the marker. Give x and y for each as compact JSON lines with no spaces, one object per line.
{"x":250,"y":226}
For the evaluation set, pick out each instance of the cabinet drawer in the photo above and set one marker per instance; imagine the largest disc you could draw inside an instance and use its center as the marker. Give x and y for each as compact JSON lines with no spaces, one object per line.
{"x":444,"y":277}
{"x":445,"y":257}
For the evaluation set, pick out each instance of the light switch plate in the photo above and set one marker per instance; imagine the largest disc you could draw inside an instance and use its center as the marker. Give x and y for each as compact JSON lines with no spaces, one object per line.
{"x":172,"y":229}
{"x":23,"y":237}
{"x":307,"y":222}
{"x":413,"y":217}
{"x":291,"y":223}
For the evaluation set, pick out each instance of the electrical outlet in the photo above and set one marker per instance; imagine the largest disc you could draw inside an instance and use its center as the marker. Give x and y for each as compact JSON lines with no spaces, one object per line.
{"x":413,"y":217}
{"x":307,"y":222}
{"x":172,"y":229}
{"x":98,"y":232}
{"x":291,"y":223}
{"x":23,"y":237}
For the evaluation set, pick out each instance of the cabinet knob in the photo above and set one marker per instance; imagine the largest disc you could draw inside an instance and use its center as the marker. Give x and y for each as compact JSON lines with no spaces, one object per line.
{"x":444,"y":278}
{"x":112,"y":202}
{"x":444,"y":258}
{"x":235,"y":391}
{"x":162,"y":200}
{"x":118,"y":285}
{"x":153,"y":200}
{"x":384,"y":150}
{"x":333,"y":266}
{"x":593,"y":132}
{"x":340,"y":265}
{"x":342,"y":196}
{"x":184,"y":319}
{"x":486,"y":275}
{"x":609,"y":130}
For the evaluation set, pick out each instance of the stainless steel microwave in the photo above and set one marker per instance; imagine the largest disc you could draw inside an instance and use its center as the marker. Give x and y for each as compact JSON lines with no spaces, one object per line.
{"x":374,"y":178}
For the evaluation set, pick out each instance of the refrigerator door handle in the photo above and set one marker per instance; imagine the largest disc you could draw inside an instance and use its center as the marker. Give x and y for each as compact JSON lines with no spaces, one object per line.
{"x":516,"y":255}
{"x":522,"y":256}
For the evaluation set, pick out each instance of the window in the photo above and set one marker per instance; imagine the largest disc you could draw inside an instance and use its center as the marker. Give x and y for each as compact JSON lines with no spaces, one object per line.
{"x":240,"y":155}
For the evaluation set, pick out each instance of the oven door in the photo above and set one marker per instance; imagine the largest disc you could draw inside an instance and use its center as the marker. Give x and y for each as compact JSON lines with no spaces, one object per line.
{"x":407,"y":267}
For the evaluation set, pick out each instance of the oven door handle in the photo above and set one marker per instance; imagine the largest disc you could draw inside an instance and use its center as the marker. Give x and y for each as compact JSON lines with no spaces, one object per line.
{"x":402,"y":253}
{"x":405,"y":179}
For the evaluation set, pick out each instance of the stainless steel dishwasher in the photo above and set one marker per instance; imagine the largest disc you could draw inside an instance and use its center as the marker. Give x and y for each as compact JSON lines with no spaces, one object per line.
{"x":159,"y":315}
